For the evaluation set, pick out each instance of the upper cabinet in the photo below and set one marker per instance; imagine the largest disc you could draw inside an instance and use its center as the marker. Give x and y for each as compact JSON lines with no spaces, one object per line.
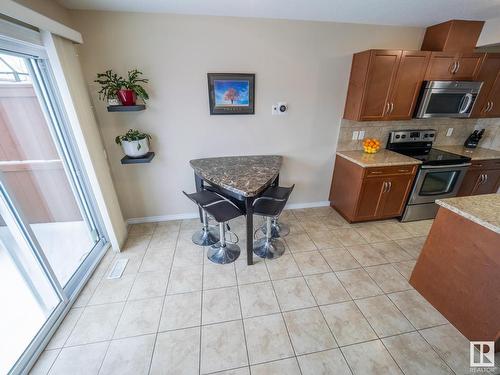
{"x":452,"y":36}
{"x":453,"y":66}
{"x":384,"y":84}
{"x":488,"y":102}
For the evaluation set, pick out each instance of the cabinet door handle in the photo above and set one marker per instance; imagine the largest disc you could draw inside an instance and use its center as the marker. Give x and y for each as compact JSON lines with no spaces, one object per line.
{"x":392,"y":108}
{"x":458,"y":67}
{"x":384,"y":187}
{"x":491,"y":107}
{"x":453,"y":67}
{"x":481,"y":178}
{"x":390,"y":186}
{"x":386,"y":108}
{"x":485,"y":178}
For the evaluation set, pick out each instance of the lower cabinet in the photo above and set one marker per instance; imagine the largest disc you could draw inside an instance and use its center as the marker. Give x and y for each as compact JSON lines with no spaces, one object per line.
{"x":362,"y":194}
{"x":483,"y":177}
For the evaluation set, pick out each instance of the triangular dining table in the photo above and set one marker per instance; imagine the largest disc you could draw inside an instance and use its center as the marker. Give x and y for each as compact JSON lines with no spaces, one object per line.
{"x":242,"y":178}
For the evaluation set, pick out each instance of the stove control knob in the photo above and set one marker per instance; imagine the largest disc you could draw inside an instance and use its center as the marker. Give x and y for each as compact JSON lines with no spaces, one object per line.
{"x":403,"y":136}
{"x":426,"y":135}
{"x":398,"y":136}
{"x":431,"y":135}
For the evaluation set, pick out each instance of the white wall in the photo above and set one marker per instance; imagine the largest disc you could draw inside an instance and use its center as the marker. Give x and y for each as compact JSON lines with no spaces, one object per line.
{"x":304,"y":63}
{"x":490,"y":33}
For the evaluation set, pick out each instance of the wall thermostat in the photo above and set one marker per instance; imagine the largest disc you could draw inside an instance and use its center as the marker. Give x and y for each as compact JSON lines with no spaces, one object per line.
{"x":280,"y":108}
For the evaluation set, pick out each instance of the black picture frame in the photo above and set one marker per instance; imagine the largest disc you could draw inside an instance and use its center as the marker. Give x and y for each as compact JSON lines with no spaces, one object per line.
{"x":218,"y":81}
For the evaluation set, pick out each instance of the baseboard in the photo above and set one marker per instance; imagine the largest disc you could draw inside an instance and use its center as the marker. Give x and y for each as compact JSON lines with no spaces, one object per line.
{"x":192,"y":215}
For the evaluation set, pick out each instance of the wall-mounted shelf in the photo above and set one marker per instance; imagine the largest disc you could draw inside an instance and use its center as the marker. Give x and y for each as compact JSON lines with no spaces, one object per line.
{"x":126,"y":108}
{"x":145,"y":159}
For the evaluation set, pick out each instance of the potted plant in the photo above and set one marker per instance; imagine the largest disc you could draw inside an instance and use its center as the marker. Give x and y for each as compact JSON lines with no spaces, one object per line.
{"x":134,"y":143}
{"x":131,"y":89}
{"x":110,"y":83}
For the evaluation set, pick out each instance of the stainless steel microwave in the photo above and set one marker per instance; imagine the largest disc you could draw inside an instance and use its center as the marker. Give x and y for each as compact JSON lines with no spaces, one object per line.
{"x":447,"y":98}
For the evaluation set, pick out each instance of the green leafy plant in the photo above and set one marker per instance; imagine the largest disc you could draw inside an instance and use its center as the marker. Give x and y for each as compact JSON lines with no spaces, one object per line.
{"x":132,"y":135}
{"x":110,"y":84}
{"x":132,"y":83}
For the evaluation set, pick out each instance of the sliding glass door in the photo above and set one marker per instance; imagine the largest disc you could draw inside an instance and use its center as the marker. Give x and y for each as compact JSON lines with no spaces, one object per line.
{"x":50,"y":232}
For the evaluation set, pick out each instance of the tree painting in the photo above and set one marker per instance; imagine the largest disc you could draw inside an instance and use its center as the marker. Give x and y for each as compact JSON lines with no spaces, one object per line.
{"x":231,"y":94}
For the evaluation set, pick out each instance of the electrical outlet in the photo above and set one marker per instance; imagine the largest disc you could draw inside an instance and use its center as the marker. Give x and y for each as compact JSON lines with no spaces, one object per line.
{"x":355,"y":135}
{"x":449,"y":132}
{"x":361,"y":134}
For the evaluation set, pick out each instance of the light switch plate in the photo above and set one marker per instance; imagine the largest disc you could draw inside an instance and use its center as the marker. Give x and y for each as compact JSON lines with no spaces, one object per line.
{"x":355,"y":135}
{"x":361,"y":134}
{"x":449,"y":132}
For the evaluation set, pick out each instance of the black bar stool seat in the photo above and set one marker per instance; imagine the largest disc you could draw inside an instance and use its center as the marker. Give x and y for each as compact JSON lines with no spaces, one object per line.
{"x":270,"y":205}
{"x":207,"y":235}
{"x":222,"y":210}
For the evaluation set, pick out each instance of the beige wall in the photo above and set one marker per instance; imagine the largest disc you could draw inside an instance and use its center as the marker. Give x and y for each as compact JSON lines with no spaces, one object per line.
{"x":49,"y":8}
{"x":303,"y":63}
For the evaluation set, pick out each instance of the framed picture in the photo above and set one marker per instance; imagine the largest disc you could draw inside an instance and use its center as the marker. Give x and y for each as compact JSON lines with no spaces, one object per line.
{"x":231,"y":93}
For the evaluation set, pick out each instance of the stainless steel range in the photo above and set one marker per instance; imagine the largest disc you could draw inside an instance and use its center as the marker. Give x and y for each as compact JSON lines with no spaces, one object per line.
{"x":439,"y":176}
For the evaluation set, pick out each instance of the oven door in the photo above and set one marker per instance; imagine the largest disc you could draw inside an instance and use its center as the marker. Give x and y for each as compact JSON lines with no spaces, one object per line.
{"x":446,"y":103}
{"x":436,"y":182}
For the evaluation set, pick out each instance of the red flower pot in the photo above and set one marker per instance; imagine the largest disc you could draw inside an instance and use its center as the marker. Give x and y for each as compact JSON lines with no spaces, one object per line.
{"x":127,"y":97}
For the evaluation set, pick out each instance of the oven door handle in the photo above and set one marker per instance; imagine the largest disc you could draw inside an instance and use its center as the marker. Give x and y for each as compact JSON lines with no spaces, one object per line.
{"x":467,"y":101}
{"x":445,"y":166}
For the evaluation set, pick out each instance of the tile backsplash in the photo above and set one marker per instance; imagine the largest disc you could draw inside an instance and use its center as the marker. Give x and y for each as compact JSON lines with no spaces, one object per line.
{"x":461,"y":130}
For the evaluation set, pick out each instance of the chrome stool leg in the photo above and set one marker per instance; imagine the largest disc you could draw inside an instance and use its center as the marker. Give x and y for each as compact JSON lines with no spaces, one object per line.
{"x":223,"y":252}
{"x":268,"y":247}
{"x":277,"y":229}
{"x":206,"y":236}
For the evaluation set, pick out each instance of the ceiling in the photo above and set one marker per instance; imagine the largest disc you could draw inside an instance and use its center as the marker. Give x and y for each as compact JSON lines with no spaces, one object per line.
{"x":381,"y":12}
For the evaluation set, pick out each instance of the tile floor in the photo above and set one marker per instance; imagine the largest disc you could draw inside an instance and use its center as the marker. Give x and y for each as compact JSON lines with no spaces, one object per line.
{"x":337,"y":302}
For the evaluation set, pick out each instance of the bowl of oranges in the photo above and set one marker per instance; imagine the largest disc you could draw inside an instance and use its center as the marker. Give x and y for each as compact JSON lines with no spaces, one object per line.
{"x":371,"y":145}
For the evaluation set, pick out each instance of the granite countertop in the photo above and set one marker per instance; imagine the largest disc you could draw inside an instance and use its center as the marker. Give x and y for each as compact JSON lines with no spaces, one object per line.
{"x":383,"y":158}
{"x":478,"y":153}
{"x":243,"y":175}
{"x":481,"y":209}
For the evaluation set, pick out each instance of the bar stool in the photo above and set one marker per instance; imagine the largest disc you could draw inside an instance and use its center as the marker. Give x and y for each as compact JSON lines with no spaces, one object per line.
{"x":270,"y":207}
{"x":222,"y":211}
{"x":206,"y":236}
{"x":278,"y":229}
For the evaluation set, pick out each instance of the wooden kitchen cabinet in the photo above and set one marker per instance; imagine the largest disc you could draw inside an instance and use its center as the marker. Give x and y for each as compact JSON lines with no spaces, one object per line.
{"x":483,"y":177}
{"x":362,"y":194}
{"x":384,"y":84}
{"x":445,"y":66}
{"x":488,"y":73}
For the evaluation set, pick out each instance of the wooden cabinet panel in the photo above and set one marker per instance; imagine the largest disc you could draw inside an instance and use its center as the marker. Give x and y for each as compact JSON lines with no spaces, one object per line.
{"x":407,"y":84}
{"x":488,"y":73}
{"x":483,"y":177}
{"x":370,"y":198}
{"x":469,"y":183}
{"x":468,"y":66}
{"x":395,"y":196}
{"x":449,"y":66}
{"x":441,"y":66}
{"x":494,"y":99}
{"x":381,"y":72}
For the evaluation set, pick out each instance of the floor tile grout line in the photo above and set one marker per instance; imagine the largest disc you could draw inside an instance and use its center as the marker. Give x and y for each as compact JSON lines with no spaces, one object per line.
{"x":283,"y":318}
{"x":202,"y":292}
{"x":164,"y":298}
{"x":434,"y":350}
{"x":242,"y":320}
{"x":121,"y":313}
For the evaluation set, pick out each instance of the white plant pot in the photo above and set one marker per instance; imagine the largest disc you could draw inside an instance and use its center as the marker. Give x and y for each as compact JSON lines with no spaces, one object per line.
{"x":136,"y":149}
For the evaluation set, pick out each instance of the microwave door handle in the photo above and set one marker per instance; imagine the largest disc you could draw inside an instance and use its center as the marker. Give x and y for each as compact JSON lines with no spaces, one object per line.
{"x":467,"y":101}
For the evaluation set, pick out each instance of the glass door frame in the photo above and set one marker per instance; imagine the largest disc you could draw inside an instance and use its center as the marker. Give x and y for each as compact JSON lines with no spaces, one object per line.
{"x":58,"y":124}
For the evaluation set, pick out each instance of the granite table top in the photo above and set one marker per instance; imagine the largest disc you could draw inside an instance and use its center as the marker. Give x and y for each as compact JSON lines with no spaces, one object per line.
{"x":243,"y":175}
{"x":481,"y":209}
{"x":477,"y":153}
{"x":383,"y":158}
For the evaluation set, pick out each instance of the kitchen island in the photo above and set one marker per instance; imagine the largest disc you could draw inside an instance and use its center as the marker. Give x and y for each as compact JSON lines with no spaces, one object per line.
{"x":459,"y":266}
